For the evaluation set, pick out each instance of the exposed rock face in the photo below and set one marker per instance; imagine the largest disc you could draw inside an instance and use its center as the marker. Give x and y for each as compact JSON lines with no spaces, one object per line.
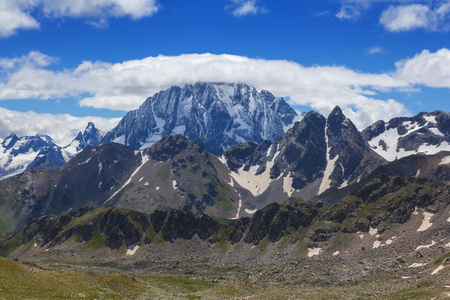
{"x":314,"y":155}
{"x":426,"y":133}
{"x":90,"y":137}
{"x":217,"y":114}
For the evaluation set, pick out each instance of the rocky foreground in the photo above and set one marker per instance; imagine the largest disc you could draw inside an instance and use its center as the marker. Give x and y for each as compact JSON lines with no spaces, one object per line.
{"x":389,"y":240}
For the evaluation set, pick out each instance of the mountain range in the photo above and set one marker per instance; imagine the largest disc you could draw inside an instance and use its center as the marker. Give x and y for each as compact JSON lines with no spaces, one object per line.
{"x":220,"y":183}
{"x":317,"y":154}
{"x":18,"y":154}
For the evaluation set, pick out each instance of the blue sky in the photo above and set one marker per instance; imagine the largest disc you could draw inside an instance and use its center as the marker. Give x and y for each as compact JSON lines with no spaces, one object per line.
{"x":65,"y":62}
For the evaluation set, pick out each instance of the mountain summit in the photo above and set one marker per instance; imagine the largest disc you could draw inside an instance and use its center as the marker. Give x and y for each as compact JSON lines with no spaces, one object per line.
{"x":217,"y":114}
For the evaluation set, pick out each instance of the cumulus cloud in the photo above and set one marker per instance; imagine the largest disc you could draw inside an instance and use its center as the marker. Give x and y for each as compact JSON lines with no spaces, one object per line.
{"x":20,"y":14}
{"x":414,"y":16}
{"x":14,"y":16}
{"x":426,"y":68}
{"x":124,"y":86}
{"x":241,"y":8}
{"x":61,"y":128}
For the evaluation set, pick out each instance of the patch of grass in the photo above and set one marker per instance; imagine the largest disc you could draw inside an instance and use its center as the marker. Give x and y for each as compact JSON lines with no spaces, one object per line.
{"x":154,"y":237}
{"x":413,"y":294}
{"x":441,"y":259}
{"x":4,"y":226}
{"x":222,"y":245}
{"x":97,"y":242}
{"x":19,"y":281}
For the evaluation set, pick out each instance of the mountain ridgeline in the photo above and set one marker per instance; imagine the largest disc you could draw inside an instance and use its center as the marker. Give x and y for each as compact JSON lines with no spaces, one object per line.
{"x":217,"y":114}
{"x":318,"y":157}
{"x":39,"y":152}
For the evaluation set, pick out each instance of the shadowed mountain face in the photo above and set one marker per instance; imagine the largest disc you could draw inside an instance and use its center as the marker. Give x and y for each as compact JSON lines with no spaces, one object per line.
{"x":217,"y":114}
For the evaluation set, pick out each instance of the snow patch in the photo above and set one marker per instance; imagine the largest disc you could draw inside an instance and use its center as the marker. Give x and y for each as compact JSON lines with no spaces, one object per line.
{"x":389,"y":241}
{"x":426,"y":224}
{"x":131,"y":250}
{"x":157,"y":188}
{"x":373,"y":231}
{"x":146,"y":183}
{"x":222,"y":159}
{"x":437,"y":270}
{"x":120,"y":140}
{"x":314,"y":251}
{"x":239,"y":210}
{"x":376,"y":244}
{"x":445,"y":160}
{"x":326,"y":181}
{"x":418,"y":173}
{"x":174,"y":184}
{"x":416,"y":265}
{"x":425,"y":246}
{"x":179,"y":129}
{"x":287,"y":185}
{"x":430,"y":119}
{"x":140,"y":179}
{"x":250,"y":212}
{"x":100,"y":166}
{"x":85,"y":162}
{"x":99,"y":184}
{"x":336,"y":253}
{"x":255,"y":184}
{"x":436,"y":131}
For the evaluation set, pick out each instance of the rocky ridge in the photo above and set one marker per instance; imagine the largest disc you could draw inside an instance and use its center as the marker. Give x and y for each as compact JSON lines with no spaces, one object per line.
{"x":217,"y":114}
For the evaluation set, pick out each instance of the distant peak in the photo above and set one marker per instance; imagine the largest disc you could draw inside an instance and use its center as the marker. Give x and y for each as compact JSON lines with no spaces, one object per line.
{"x":336,"y":112}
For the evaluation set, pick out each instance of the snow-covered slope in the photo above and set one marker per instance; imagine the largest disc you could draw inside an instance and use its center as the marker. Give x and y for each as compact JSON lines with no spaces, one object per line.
{"x":16,"y":154}
{"x":217,"y":114}
{"x":39,"y":152}
{"x":426,"y":133}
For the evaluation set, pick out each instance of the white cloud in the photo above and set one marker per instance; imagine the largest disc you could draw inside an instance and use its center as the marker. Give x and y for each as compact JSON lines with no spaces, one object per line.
{"x":135,"y":9}
{"x":414,"y":16}
{"x":348,"y":12}
{"x":375,"y":50}
{"x":426,"y":68}
{"x":126,"y":85}
{"x":241,"y":8}
{"x":19,"y":14}
{"x":61,"y":128}
{"x":14,"y":16}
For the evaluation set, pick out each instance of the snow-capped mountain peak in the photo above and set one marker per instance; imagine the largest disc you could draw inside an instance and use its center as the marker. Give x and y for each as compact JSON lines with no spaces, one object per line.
{"x":217,"y":114}
{"x":18,"y":154}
